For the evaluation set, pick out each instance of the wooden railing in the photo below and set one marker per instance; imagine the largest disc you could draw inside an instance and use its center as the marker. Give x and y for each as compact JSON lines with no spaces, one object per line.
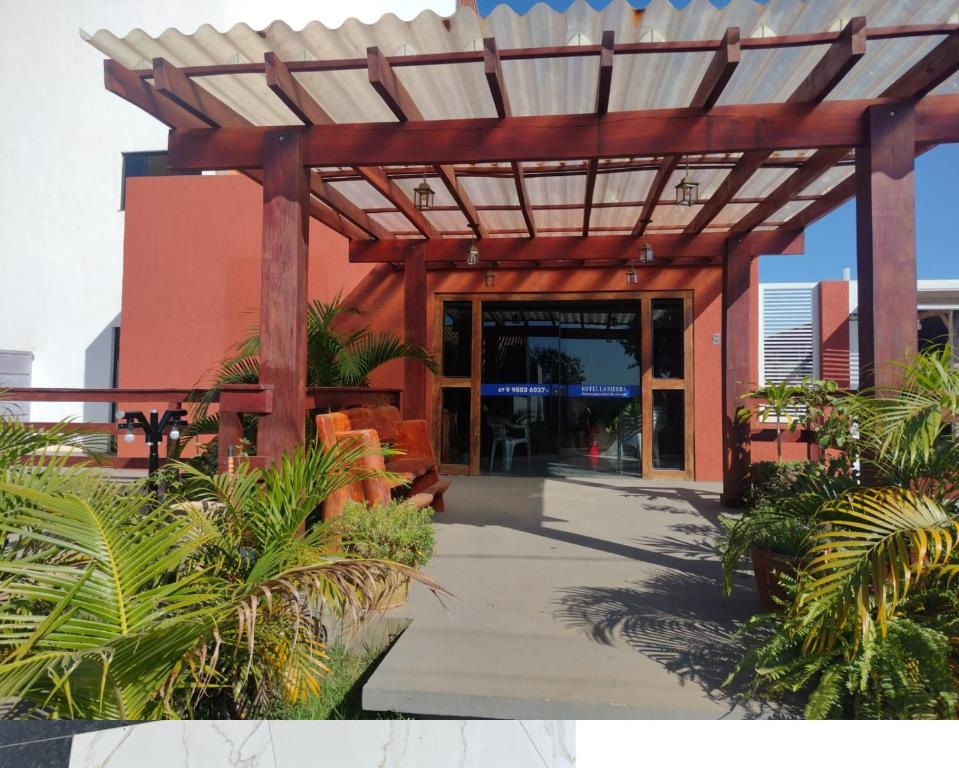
{"x":232,"y":401}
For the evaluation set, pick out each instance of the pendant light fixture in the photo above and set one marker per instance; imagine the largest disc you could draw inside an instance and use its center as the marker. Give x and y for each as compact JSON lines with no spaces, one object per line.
{"x":423,"y":196}
{"x":687,"y":191}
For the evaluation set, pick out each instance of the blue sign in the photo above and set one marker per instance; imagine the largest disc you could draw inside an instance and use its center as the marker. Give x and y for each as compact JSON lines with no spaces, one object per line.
{"x":518,"y":390}
{"x":570,"y":390}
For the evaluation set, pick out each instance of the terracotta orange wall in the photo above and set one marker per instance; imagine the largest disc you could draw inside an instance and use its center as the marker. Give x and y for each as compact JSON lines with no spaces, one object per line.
{"x":381,"y":294}
{"x":191,"y":275}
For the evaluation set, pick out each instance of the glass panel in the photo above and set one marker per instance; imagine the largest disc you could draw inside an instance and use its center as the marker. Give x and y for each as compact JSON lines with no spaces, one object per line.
{"x":600,"y":344}
{"x":560,"y":387}
{"x":457,"y":337}
{"x":669,"y":429}
{"x":455,"y":426}
{"x":667,"y":338}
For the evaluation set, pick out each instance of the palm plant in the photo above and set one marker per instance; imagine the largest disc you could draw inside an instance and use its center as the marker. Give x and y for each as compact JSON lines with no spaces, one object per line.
{"x":334,"y":358}
{"x":776,"y":401}
{"x":115,"y":604}
{"x":873,"y":624}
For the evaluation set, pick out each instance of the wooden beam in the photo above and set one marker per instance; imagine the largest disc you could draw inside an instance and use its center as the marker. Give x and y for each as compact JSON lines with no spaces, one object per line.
{"x":842,"y":55}
{"x":497,"y":86}
{"x":740,"y":318}
{"x":795,"y":183}
{"x":720,"y":70}
{"x":415,"y":299}
{"x":734,"y":128}
{"x":886,"y":246}
{"x":397,"y":98}
{"x":493,"y":68}
{"x":835,"y":64}
{"x":203,"y":105}
{"x":601,"y":108}
{"x":304,"y":106}
{"x":128,"y":86}
{"x":195,"y":99}
{"x":298,"y":100}
{"x":283,"y":292}
{"x":605,"y":72}
{"x":718,"y":74}
{"x":930,"y":71}
{"x":523,"y":250}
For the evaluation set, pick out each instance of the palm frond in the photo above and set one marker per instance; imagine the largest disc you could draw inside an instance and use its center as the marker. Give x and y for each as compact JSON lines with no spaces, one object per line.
{"x":872,"y":546}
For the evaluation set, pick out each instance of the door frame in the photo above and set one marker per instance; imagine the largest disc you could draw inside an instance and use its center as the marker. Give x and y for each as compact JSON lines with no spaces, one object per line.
{"x":648,"y":383}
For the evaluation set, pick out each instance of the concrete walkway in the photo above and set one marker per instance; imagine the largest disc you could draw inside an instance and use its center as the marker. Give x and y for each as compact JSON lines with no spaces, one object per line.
{"x":591,"y":597}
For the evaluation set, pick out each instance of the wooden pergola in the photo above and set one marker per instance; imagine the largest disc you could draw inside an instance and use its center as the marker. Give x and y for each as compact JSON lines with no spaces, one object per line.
{"x":806,"y":136}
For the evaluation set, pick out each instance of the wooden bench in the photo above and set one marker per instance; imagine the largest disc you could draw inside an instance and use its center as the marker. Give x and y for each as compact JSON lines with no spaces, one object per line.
{"x":372,"y":428}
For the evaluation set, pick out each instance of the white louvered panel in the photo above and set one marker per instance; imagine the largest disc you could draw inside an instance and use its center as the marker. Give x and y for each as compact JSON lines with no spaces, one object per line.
{"x":786,"y":334}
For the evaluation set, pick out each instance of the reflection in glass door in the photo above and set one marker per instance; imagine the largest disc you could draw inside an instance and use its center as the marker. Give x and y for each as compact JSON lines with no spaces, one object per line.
{"x":560,"y":387}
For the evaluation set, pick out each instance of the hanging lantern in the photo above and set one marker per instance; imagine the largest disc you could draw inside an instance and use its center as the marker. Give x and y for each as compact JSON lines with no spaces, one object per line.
{"x":489,"y":279}
{"x":423,"y":196}
{"x":646,"y":252}
{"x":631,"y":277}
{"x":472,"y":255}
{"x":687,"y":191}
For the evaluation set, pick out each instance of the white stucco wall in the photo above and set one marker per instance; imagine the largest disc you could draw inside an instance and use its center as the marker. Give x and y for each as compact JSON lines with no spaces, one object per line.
{"x":61,"y":139}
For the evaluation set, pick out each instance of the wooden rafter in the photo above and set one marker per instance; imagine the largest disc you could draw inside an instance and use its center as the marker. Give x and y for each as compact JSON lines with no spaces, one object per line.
{"x":842,"y":56}
{"x":497,"y":86}
{"x":397,"y":98}
{"x":202,"y":104}
{"x":926,"y":74}
{"x":126,"y":84}
{"x":718,"y":74}
{"x":601,"y":107}
{"x":285,"y":85}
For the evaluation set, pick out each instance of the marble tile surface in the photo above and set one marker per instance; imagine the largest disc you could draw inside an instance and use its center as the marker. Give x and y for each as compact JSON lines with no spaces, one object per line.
{"x":177,"y":744}
{"x":344,"y":744}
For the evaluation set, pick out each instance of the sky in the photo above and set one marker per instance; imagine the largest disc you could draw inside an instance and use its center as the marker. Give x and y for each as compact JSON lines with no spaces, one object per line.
{"x":831,"y":242}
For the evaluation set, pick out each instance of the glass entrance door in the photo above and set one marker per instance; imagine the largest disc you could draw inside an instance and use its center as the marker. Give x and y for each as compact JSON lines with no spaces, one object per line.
{"x":560,"y":389}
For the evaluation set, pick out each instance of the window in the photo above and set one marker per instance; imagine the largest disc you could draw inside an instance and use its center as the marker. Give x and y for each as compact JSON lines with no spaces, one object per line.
{"x":146,"y":164}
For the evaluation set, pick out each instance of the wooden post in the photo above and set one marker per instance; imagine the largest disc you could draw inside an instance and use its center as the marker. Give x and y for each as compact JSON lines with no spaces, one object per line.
{"x":283,"y":291}
{"x":740,"y":281}
{"x":229,"y":436}
{"x":886,"y":244}
{"x":414,"y":327}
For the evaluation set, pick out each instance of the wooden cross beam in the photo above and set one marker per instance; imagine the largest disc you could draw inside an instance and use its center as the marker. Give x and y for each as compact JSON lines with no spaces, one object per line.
{"x":718,"y":74}
{"x":601,"y":108}
{"x":733,"y":128}
{"x":397,"y":98}
{"x":497,"y":86}
{"x":842,"y":55}
{"x":617,"y":248}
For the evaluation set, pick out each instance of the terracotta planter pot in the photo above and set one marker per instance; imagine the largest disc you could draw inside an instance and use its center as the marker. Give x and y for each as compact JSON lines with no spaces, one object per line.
{"x":767,"y":566}
{"x":392,"y":592}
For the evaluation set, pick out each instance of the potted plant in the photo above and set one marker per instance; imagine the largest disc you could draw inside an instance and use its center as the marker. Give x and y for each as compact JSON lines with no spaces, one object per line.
{"x":782,"y":501}
{"x":397,"y":532}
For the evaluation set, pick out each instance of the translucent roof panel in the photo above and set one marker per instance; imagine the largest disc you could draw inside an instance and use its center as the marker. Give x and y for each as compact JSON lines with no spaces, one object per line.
{"x":551,"y":85}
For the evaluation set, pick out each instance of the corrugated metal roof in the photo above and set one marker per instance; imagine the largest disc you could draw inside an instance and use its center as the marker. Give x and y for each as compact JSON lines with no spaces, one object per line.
{"x":551,"y":86}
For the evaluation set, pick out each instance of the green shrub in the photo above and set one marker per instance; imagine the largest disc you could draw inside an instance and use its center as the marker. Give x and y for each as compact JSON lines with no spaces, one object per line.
{"x":398,"y":532}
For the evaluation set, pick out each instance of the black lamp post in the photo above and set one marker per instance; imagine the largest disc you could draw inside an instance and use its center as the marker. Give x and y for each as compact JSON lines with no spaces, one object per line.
{"x":153,"y":427}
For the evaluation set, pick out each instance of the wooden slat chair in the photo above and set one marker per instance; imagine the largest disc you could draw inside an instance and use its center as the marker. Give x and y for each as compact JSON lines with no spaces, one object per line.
{"x":417,"y":466}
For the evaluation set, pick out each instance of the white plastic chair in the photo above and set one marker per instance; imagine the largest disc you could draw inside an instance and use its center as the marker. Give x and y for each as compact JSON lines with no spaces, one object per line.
{"x":501,"y":436}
